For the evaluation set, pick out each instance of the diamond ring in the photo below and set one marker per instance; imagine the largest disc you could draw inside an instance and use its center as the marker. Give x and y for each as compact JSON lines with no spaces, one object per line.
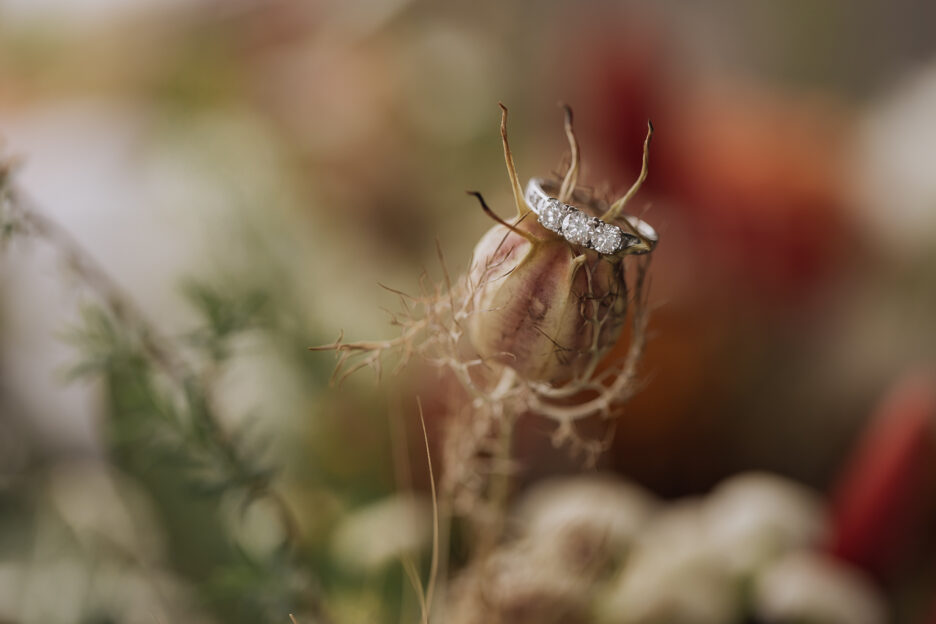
{"x":579,"y":228}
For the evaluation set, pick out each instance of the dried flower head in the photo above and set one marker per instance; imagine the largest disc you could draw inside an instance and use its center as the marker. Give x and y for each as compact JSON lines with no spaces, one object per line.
{"x":588,"y":521}
{"x":515,"y":585}
{"x":542,"y":306}
{"x":539,"y":312}
{"x":672,"y":574}
{"x":524,"y":331}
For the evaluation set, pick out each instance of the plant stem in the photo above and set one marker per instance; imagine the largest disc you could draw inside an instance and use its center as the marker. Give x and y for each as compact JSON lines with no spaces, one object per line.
{"x":158,"y":348}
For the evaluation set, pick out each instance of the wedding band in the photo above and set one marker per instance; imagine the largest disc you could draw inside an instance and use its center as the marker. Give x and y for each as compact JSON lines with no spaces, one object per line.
{"x":580,"y":228}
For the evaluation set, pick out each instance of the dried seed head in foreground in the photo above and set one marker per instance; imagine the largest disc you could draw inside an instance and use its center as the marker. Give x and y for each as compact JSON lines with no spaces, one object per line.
{"x":545,"y":307}
{"x":524,"y":330}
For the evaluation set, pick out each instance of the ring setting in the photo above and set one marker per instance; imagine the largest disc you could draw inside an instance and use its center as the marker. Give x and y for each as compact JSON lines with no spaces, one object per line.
{"x":580,"y":228}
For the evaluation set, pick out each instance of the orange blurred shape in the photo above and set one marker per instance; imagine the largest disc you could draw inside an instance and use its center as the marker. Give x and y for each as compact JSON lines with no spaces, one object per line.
{"x":668,"y":429}
{"x":761,"y":175}
{"x":888,"y":488}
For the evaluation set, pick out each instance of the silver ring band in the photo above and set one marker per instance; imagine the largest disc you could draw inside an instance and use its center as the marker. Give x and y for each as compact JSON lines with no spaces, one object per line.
{"x":580,"y":228}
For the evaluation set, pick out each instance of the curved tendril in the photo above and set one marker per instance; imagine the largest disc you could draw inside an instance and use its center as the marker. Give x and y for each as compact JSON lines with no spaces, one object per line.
{"x":522,"y":208}
{"x":571,"y":176}
{"x":615,"y":210}
{"x":487,"y":210}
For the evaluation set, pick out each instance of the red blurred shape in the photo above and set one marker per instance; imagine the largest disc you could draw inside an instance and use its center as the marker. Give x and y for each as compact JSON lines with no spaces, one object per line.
{"x":887,"y":489}
{"x":756,"y":177}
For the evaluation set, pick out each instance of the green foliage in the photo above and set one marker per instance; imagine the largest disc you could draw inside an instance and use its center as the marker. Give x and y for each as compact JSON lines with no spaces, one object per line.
{"x":164,"y":430}
{"x":11,"y":222}
{"x":225,"y":316}
{"x":266,"y":589}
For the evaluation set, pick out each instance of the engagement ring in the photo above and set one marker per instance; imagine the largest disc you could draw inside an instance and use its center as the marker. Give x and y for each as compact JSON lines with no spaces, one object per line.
{"x":579,"y":228}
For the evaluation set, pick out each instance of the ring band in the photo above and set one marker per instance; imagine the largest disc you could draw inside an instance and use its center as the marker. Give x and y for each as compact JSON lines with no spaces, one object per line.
{"x":580,"y":228}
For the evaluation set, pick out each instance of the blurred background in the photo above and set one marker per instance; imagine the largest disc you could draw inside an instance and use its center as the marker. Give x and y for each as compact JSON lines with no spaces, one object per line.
{"x":246,"y":171}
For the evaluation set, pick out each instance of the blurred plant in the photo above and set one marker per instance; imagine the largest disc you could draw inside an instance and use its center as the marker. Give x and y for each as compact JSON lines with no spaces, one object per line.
{"x":11,"y":221}
{"x":596,"y":549}
{"x":524,"y":331}
{"x":165,"y":430}
{"x":884,"y":504}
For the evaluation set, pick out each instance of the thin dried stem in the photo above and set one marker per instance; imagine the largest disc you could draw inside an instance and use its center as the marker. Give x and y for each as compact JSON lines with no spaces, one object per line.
{"x":615,"y":210}
{"x":566,"y":434}
{"x":409,"y":567}
{"x":503,"y":469}
{"x":522,"y":208}
{"x":434,"y":566}
{"x":487,"y":210}
{"x":371,"y":352}
{"x":571,"y":177}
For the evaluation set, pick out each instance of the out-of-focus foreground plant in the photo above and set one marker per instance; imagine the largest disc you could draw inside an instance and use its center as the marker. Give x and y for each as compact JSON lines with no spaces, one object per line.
{"x":206,"y":480}
{"x":524,"y":331}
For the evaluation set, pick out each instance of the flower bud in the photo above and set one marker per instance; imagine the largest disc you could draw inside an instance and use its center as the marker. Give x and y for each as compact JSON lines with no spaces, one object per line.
{"x":543,"y":308}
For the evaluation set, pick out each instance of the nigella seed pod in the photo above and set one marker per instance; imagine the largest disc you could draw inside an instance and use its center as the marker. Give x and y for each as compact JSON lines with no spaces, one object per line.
{"x":544,"y":303}
{"x":542,"y":309}
{"x":545,"y":298}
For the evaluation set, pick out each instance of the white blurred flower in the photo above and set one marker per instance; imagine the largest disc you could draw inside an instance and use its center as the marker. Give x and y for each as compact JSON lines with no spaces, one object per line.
{"x":87,"y":13}
{"x":10,"y":574}
{"x":673,"y":575}
{"x":809,"y":587}
{"x":566,"y":532}
{"x":897,"y":148}
{"x":255,"y":525}
{"x":384,"y":532}
{"x":62,"y":578}
{"x":105,"y":510}
{"x":756,"y":516}
{"x":517,"y":585}
{"x":92,"y":168}
{"x":584,"y":518}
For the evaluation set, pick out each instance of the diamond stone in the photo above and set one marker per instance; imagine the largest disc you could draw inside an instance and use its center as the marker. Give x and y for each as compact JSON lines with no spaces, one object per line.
{"x":644,"y":229}
{"x":577,"y":227}
{"x":607,"y":238}
{"x":552,"y":214}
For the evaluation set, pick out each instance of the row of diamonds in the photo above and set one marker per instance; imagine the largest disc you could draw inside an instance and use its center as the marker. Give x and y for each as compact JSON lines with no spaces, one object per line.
{"x":535,"y":195}
{"x":579,"y":228}
{"x":535,"y":199}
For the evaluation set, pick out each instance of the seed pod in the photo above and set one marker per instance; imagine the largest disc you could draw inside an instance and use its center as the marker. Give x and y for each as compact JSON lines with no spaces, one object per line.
{"x":544,"y":307}
{"x":538,"y":298}
{"x":541,"y":308}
